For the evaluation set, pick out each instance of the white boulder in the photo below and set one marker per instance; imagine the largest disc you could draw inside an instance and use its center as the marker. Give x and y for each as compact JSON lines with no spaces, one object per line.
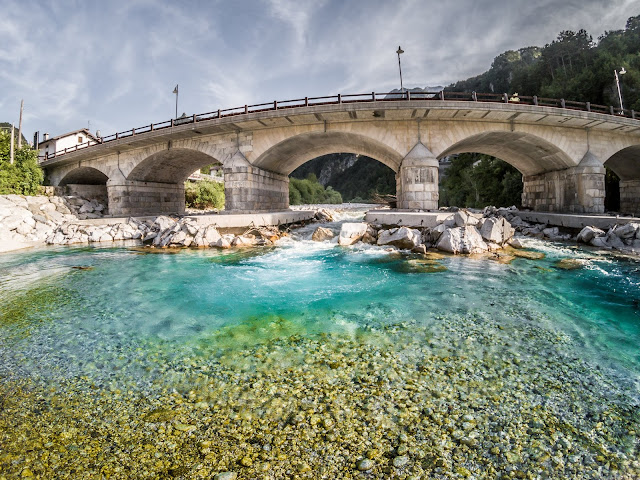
{"x":404,"y":238}
{"x":589,"y":233}
{"x":496,"y":230}
{"x":351,"y":233}
{"x":462,"y":240}
{"x":321,"y":234}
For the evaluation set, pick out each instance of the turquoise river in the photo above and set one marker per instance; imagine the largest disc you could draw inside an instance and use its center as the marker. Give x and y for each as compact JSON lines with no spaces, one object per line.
{"x":309,"y":360}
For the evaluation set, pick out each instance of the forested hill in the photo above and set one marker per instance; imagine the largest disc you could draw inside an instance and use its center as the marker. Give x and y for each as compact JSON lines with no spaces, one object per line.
{"x":574,"y":66}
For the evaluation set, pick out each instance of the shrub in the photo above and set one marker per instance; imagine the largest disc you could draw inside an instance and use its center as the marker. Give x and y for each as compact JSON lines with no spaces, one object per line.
{"x":204,"y":194}
{"x":24,"y":176}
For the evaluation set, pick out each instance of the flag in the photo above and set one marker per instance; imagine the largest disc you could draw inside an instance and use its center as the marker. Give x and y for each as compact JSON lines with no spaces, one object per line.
{"x":175,"y":90}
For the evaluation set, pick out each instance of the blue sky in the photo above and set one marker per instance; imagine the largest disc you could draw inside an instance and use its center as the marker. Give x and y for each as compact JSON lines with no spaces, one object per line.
{"x":115,"y":63}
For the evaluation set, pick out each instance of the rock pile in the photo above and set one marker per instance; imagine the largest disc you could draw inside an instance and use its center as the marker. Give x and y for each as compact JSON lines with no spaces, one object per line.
{"x":462,"y":232}
{"x":624,"y":238}
{"x":170,"y":232}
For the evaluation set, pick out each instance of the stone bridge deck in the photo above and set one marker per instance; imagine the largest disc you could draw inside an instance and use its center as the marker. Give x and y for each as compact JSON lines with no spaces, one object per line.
{"x":561,"y":152}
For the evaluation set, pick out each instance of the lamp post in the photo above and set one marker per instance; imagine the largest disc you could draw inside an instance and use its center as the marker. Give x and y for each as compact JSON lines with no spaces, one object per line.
{"x":175,"y":90}
{"x":616,"y":73}
{"x":399,"y":51}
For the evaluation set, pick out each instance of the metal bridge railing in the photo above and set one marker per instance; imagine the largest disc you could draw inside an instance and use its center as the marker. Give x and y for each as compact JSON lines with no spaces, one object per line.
{"x":355,"y":98}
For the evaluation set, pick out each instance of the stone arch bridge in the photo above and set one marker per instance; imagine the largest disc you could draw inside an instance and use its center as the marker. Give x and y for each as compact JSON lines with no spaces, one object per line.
{"x":559,"y":147}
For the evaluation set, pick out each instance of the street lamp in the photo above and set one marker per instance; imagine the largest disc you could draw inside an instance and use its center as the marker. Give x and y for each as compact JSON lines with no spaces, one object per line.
{"x":622,"y":72}
{"x":175,"y":90}
{"x":399,"y":51}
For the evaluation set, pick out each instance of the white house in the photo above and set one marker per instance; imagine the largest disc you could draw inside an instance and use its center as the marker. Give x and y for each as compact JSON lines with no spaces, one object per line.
{"x":82,"y":137}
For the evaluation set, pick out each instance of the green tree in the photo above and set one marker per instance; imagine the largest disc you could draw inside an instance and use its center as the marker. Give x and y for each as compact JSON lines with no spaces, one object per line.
{"x":24,"y":176}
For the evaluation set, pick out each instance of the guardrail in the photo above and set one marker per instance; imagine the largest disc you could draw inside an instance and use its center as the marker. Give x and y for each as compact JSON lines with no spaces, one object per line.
{"x":355,"y":98}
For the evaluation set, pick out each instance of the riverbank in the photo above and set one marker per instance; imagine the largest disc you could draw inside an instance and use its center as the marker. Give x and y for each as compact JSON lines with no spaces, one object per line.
{"x":27,"y":222}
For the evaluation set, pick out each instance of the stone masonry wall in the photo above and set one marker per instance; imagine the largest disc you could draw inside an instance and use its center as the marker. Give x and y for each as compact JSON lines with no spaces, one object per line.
{"x":145,"y":198}
{"x":573,"y":190}
{"x":251,"y":189}
{"x":417,"y":188}
{"x":630,"y":196}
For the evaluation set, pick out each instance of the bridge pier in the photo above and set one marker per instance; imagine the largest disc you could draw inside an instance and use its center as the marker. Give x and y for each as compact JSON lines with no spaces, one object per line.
{"x":128,"y":197}
{"x":417,"y":180}
{"x":252,"y":189}
{"x":630,"y":196}
{"x":578,"y":189}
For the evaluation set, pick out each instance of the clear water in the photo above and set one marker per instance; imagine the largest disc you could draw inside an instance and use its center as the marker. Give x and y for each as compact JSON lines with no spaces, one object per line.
{"x":126,"y":315}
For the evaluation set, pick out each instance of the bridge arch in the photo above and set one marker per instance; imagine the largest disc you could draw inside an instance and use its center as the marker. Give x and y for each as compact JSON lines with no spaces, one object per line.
{"x":287,"y":155}
{"x":530,"y":154}
{"x":173,"y":166}
{"x":625,"y":163}
{"x":84,"y":176}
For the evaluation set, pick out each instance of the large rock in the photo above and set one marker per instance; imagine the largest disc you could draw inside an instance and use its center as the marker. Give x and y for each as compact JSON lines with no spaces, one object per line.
{"x":211,"y":236}
{"x":404,"y":238}
{"x":614,"y":241}
{"x":18,"y":216}
{"x":600,"y":242}
{"x":351,"y":233}
{"x":496,"y":230}
{"x":463,"y":218}
{"x":24,"y":228}
{"x":163,"y":222}
{"x":589,"y":233}
{"x":321,"y":234}
{"x":434,"y":234}
{"x":627,"y":230}
{"x":462,"y":240}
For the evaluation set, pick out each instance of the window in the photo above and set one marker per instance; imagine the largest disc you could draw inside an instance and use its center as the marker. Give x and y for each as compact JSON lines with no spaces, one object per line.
{"x":80,"y":140}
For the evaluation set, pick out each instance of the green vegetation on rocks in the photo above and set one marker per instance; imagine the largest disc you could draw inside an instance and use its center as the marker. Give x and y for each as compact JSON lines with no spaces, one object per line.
{"x":24,"y":176}
{"x":205,"y":194}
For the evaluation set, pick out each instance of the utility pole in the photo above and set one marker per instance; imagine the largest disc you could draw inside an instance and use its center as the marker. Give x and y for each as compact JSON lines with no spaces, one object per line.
{"x":20,"y":125}
{"x":11,"y":146}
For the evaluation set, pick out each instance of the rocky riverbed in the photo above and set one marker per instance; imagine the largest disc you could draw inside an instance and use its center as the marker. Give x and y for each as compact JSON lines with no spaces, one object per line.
{"x":453,"y":400}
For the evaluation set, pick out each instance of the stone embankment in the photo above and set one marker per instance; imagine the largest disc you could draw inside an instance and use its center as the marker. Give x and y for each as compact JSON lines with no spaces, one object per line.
{"x":40,"y":220}
{"x":28,"y":221}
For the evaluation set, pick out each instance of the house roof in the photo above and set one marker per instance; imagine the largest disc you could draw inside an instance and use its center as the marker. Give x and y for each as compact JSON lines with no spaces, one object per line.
{"x":75,"y":132}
